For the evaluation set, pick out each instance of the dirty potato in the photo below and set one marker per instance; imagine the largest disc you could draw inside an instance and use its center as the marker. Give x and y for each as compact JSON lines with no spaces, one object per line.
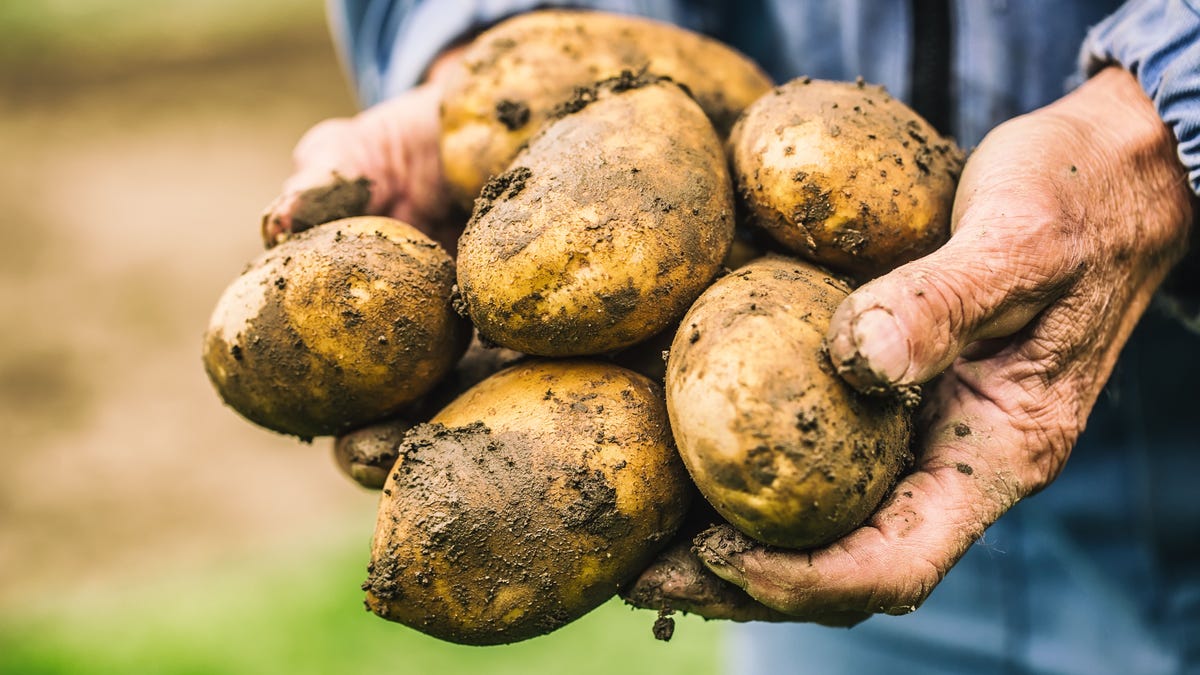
{"x":513,"y":75}
{"x":605,"y":228}
{"x":845,"y":175}
{"x":367,"y":454}
{"x":527,"y":502}
{"x":783,"y":448}
{"x":336,"y":327}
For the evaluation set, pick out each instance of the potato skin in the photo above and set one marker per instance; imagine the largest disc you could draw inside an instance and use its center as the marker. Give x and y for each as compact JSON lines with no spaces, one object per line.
{"x":844,"y":175}
{"x":513,"y":75}
{"x":783,"y":448}
{"x":367,"y":454}
{"x":336,"y":327}
{"x":606,"y":227}
{"x":526,"y":503}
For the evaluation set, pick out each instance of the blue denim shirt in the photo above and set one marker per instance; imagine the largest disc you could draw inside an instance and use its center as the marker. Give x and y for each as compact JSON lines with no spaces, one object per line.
{"x":1099,"y":573}
{"x":1010,"y":56}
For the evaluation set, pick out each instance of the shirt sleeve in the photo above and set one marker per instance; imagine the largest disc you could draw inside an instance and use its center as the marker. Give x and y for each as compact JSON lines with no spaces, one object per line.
{"x":387,"y":45}
{"x":1159,"y":42}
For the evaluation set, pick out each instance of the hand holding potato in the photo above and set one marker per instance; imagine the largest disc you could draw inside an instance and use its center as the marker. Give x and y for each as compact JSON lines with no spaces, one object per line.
{"x":1066,"y":220}
{"x":383,"y":161}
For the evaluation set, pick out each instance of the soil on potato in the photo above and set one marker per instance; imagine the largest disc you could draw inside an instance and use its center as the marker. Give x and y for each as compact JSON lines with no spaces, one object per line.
{"x":512,"y":114}
{"x":463,"y":496}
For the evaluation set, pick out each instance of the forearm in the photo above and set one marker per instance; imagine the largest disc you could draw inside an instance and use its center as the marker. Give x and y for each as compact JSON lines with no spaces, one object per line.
{"x":1119,"y":126}
{"x":1158,"y":42}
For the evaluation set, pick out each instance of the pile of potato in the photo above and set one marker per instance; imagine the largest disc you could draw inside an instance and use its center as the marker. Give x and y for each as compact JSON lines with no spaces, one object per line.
{"x":612,"y":163}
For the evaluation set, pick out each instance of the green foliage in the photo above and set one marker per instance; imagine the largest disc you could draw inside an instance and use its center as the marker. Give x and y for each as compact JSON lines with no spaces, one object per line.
{"x":300,"y":612}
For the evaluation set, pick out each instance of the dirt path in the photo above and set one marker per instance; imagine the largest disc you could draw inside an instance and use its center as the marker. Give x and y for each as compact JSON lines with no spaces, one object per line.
{"x":128,"y":205}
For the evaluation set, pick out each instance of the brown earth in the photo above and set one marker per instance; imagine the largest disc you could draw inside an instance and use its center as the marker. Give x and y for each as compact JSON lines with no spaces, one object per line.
{"x":129,"y":201}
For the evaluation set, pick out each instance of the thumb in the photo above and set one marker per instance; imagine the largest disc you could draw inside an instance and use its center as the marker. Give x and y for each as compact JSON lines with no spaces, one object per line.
{"x":908,"y":326}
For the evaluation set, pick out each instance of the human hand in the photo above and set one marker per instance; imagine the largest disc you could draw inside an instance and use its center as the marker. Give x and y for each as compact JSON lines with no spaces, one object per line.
{"x":383,"y":161}
{"x":1065,"y":222}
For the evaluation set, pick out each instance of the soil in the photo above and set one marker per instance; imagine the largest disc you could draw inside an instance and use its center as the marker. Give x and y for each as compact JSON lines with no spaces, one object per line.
{"x":512,"y":114}
{"x":340,"y":199}
{"x":475,"y":516}
{"x":131,"y":201}
{"x":503,"y":187}
{"x":625,"y":81}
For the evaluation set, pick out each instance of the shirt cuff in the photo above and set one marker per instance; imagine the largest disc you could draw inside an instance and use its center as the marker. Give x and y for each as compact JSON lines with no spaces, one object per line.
{"x":1158,"y":41}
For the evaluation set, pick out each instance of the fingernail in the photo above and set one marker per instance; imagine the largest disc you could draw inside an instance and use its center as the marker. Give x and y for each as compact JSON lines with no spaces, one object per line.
{"x":724,"y":566}
{"x":882,"y":345}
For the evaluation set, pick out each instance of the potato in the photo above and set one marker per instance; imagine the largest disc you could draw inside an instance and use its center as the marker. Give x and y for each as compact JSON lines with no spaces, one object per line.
{"x":781,"y":446}
{"x":844,"y":175}
{"x":526,"y":503}
{"x":336,"y":327}
{"x":514,"y":75}
{"x":367,"y":454}
{"x":606,"y":227}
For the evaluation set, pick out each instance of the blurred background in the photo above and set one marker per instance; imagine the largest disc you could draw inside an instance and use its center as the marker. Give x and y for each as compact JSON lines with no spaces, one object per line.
{"x":145,"y":528}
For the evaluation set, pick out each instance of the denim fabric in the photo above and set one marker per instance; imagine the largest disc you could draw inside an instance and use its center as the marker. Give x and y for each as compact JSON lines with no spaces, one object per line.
{"x":1159,"y":42}
{"x":1100,"y":573}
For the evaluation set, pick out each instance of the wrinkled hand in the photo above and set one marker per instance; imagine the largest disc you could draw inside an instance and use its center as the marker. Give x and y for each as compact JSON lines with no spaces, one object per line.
{"x":383,"y":161}
{"x":1066,"y":220}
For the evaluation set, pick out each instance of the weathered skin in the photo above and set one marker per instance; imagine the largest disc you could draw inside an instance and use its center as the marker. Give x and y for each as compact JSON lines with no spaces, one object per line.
{"x":1066,"y":222}
{"x":512,"y":77}
{"x":389,"y":151}
{"x":783,"y":448}
{"x":366,"y":455}
{"x":606,"y":227}
{"x":677,"y":580}
{"x":526,"y":503}
{"x":337,"y":327}
{"x":844,"y":175}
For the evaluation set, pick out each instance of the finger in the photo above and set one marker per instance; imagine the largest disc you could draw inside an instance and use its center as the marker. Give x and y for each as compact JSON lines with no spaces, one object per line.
{"x":677,"y":581}
{"x":892,"y":563}
{"x":382,"y":161}
{"x":294,"y":212}
{"x":840,"y":619}
{"x":999,"y":270}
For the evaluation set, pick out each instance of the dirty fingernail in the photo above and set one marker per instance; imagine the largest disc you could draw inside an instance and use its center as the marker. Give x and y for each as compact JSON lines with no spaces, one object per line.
{"x":882,"y":345}
{"x":716,"y":556}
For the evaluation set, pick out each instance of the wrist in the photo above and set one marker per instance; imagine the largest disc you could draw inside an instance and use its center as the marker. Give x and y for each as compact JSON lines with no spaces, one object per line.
{"x":1113,"y":113}
{"x":1127,"y":148}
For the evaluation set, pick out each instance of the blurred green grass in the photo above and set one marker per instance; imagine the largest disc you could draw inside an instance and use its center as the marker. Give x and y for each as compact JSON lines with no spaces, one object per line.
{"x":299,"y":611}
